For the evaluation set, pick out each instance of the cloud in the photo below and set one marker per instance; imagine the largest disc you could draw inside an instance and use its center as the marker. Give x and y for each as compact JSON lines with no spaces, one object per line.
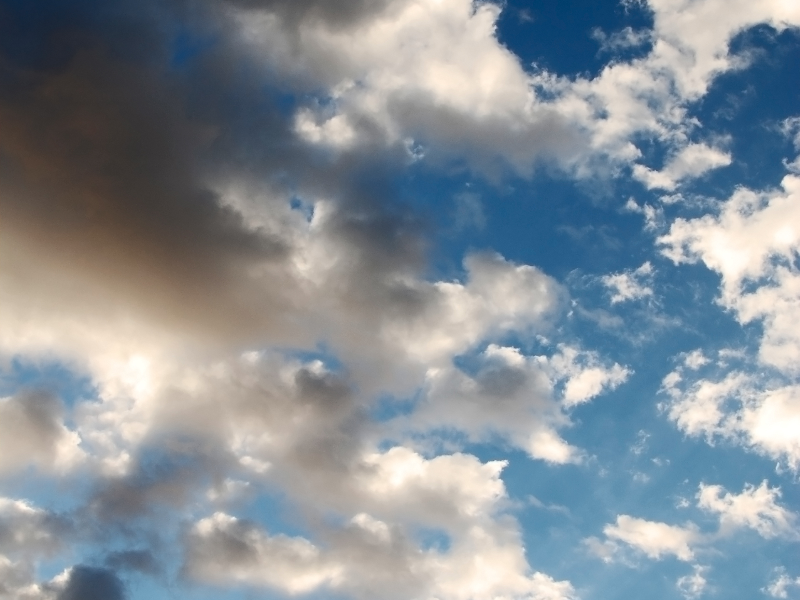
{"x":629,"y":285}
{"x":653,"y":538}
{"x":488,"y":109}
{"x":508,"y":394}
{"x":376,"y":552}
{"x":751,"y":242}
{"x":738,"y":407}
{"x":28,"y":531}
{"x":28,"y":535}
{"x":620,"y":41}
{"x":693,"y":586}
{"x":32,"y":431}
{"x":92,"y":583}
{"x":584,"y":374}
{"x":690,"y":162}
{"x":241,"y":283}
{"x":224,"y":550}
{"x":755,"y":507}
{"x":779,"y":587}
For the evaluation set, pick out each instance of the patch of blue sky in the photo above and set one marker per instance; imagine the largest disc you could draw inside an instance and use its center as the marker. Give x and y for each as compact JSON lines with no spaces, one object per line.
{"x":563,"y":39}
{"x":53,"y":376}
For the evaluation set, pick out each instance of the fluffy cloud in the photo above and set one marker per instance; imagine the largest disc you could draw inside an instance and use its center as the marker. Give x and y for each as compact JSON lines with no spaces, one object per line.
{"x":755,"y":507}
{"x":691,"y":161}
{"x":522,"y":398}
{"x":781,"y":584}
{"x":751,"y":243}
{"x":434,"y":73}
{"x":629,"y":285}
{"x":368,"y":555}
{"x":28,"y":531}
{"x":240,"y":286}
{"x":693,"y":586}
{"x":653,"y":538}
{"x":29,"y":534}
{"x":223,"y":549}
{"x":738,"y":407}
{"x":32,"y":432}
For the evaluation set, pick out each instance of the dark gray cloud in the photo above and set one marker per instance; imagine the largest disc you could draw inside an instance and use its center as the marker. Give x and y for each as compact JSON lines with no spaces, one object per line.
{"x":115,"y":148}
{"x":334,"y":13}
{"x":92,"y":583}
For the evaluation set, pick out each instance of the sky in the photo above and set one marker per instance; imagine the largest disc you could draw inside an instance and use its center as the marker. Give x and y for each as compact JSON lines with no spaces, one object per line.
{"x":399,"y":299}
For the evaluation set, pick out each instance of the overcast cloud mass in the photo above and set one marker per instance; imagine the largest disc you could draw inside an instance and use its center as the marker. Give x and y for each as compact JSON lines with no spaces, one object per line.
{"x":399,"y":299}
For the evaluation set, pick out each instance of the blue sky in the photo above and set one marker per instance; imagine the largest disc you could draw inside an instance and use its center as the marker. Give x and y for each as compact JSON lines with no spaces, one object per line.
{"x":406,"y":299}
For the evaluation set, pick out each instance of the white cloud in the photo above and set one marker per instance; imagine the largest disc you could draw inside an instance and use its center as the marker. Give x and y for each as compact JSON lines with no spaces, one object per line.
{"x":690,"y":162}
{"x":695,"y":359}
{"x":740,"y":408}
{"x":754,"y":507}
{"x":752,"y":243}
{"x":435,"y":72}
{"x":515,"y":396}
{"x":376,"y":552}
{"x":584,"y":375}
{"x":779,"y":587}
{"x":630,"y":285}
{"x":693,"y":586}
{"x":653,"y":538}
{"x":223,"y":549}
{"x":28,"y":535}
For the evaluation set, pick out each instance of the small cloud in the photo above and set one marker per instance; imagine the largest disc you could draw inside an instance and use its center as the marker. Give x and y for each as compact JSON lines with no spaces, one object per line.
{"x":653,"y":538}
{"x":469,"y":212}
{"x":693,"y":586}
{"x":534,"y":501}
{"x":621,"y":40}
{"x":779,"y":586}
{"x":695,"y":359}
{"x":641,"y":442}
{"x":525,"y":15}
{"x":633,"y":284}
{"x":689,"y":163}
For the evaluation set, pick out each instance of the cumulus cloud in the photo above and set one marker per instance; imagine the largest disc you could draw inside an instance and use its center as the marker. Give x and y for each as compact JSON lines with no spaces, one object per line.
{"x":653,"y":538}
{"x":779,"y":587}
{"x":629,"y":285}
{"x":584,"y":374}
{"x":91,"y":583}
{"x":29,"y":531}
{"x":223,"y":549}
{"x":751,"y":242}
{"x":241,"y":284}
{"x":29,"y":534}
{"x":738,"y":407}
{"x":487,"y":107}
{"x":690,"y":162}
{"x":32,"y":431}
{"x":755,"y":507}
{"x":523,"y":399}
{"x":377,"y":552}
